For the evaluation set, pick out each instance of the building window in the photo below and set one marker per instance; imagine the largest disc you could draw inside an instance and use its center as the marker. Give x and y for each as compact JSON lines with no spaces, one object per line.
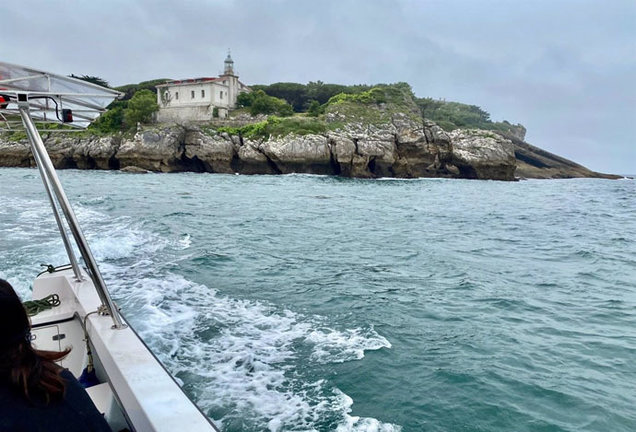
{"x":221,"y":95}
{"x":176,"y":95}
{"x":202,"y":93}
{"x":192,"y":94}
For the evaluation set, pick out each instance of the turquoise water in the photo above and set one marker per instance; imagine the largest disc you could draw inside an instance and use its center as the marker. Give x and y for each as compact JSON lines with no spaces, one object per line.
{"x":294,"y":303}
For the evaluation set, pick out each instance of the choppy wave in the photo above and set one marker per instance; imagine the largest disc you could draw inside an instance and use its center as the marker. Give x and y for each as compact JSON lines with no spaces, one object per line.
{"x":393,"y":305}
{"x":236,"y":356}
{"x":242,"y":354}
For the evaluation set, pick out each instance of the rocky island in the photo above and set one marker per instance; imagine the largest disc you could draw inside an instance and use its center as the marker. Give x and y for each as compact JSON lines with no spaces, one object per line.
{"x":381,"y":132}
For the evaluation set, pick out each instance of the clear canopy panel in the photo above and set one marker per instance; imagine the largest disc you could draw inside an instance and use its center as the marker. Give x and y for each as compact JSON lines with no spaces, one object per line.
{"x":49,"y":95}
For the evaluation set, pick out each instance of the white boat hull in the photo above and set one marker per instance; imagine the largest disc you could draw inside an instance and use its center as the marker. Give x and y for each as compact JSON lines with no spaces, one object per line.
{"x":136,"y":391}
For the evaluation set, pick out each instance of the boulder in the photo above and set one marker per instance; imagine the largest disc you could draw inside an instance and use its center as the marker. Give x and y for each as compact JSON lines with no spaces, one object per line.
{"x":156,"y":149}
{"x":252,"y":161}
{"x":97,"y":153}
{"x":15,"y":154}
{"x":480,"y":154}
{"x":134,"y":170}
{"x":209,"y":153}
{"x":423,"y":149}
{"x":343,"y":152}
{"x":299,"y":154}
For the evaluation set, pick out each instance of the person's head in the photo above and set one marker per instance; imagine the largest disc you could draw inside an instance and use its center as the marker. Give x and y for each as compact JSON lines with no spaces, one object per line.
{"x":14,"y":321}
{"x":32,"y":373}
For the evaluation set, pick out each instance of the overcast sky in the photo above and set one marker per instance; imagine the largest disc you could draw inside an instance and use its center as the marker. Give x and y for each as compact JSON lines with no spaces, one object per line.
{"x":566,"y":69}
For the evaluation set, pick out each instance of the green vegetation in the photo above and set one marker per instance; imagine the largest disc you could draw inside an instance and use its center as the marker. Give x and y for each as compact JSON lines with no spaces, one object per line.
{"x":129,"y":90}
{"x":316,"y":98}
{"x":455,"y":115}
{"x":140,"y":108}
{"x":285,"y":101}
{"x":376,"y":105}
{"x":124,"y":114}
{"x":91,"y":79}
{"x":274,"y":127}
{"x":259,"y":102}
{"x":112,"y":120}
{"x":315,"y":109}
{"x":121,"y":115}
{"x":301,"y":96}
{"x":15,"y":136}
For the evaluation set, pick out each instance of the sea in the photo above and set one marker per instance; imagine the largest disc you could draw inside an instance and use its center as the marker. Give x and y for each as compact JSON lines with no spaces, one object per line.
{"x":314,"y":303}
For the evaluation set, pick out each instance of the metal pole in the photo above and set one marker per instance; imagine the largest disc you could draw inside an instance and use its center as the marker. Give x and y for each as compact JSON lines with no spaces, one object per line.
{"x":78,"y":235}
{"x":58,"y":220}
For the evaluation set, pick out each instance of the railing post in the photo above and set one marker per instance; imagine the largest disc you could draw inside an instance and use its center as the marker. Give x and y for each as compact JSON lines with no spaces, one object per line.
{"x":56,"y":215}
{"x":78,"y":235}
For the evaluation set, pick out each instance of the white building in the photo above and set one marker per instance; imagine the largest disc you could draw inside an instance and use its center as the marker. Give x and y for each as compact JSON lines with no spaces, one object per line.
{"x":200,"y":99}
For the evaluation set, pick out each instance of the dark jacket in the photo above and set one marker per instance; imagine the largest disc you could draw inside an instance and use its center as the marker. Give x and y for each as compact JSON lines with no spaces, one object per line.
{"x":75,"y":413}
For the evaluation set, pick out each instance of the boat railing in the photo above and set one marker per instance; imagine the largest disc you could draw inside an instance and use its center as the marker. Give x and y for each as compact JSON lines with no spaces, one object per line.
{"x":51,"y":98}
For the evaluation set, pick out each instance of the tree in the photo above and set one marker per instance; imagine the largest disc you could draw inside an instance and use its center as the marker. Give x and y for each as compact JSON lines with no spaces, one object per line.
{"x":129,"y":90}
{"x":261,"y":103}
{"x":141,"y":107}
{"x":314,"y":109}
{"x":245,"y":99}
{"x":91,"y":79}
{"x":295,"y":94}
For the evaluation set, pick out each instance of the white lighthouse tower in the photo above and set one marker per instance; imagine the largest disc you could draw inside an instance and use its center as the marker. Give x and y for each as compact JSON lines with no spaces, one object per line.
{"x":232,"y":79}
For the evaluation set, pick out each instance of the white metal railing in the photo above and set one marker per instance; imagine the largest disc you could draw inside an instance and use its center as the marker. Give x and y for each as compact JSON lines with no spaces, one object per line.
{"x":55,"y":193}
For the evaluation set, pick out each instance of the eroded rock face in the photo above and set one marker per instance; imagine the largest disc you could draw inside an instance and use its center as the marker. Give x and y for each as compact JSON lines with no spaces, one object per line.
{"x":424,"y":150}
{"x":292,"y":154}
{"x":479,"y":154}
{"x":403,"y":148}
{"x":251,"y":160}
{"x":15,"y":154}
{"x":207,"y":153}
{"x":158,"y":149}
{"x":98,"y":153}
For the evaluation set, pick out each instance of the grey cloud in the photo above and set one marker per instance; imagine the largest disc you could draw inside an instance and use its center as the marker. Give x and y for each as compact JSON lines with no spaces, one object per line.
{"x":565,"y":68}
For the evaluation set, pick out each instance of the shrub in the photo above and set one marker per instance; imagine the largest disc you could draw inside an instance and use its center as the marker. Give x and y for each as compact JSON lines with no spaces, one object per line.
{"x":245,"y":99}
{"x":275,"y":126}
{"x":455,"y":115}
{"x":140,"y":108}
{"x":315,"y":109}
{"x":112,"y":120}
{"x":261,"y":103}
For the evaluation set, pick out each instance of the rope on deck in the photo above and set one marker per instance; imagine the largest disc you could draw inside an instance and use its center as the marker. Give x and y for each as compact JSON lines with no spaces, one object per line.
{"x":34,"y":307}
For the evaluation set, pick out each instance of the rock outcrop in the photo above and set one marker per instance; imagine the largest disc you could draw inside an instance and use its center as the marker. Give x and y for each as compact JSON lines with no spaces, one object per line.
{"x":480,"y":154}
{"x":403,"y":147}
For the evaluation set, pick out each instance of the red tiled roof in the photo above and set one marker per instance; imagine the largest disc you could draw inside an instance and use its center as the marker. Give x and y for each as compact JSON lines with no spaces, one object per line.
{"x":193,"y":80}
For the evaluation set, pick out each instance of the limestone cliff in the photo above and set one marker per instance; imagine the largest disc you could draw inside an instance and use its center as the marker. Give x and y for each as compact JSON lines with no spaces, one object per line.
{"x":402,"y":148}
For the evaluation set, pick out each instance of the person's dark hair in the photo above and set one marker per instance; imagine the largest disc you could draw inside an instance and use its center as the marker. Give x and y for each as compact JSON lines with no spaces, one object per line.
{"x":31,"y":372}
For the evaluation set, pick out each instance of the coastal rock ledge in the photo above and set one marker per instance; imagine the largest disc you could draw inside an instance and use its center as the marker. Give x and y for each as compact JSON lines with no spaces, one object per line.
{"x":403,"y":148}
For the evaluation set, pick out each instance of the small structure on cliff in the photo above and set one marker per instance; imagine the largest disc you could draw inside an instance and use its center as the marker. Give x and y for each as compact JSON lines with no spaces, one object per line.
{"x":200,"y":99}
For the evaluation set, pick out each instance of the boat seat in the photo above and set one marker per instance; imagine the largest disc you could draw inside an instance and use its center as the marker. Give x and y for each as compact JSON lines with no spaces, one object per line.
{"x":102,"y":397}
{"x":104,"y":400}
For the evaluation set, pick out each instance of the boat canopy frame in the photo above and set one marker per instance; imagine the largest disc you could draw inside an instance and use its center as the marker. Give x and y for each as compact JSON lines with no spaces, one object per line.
{"x":31,"y":94}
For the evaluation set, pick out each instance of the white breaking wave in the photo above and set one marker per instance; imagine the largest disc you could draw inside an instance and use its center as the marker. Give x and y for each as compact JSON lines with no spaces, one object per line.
{"x":239,"y":358}
{"x":240,"y":353}
{"x":185,"y":241}
{"x":336,"y":347}
{"x":360,"y":424}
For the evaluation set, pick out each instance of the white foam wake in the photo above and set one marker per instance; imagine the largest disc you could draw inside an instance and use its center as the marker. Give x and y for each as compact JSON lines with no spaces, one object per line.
{"x":242,"y":360}
{"x":244,"y":355}
{"x":360,"y":424}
